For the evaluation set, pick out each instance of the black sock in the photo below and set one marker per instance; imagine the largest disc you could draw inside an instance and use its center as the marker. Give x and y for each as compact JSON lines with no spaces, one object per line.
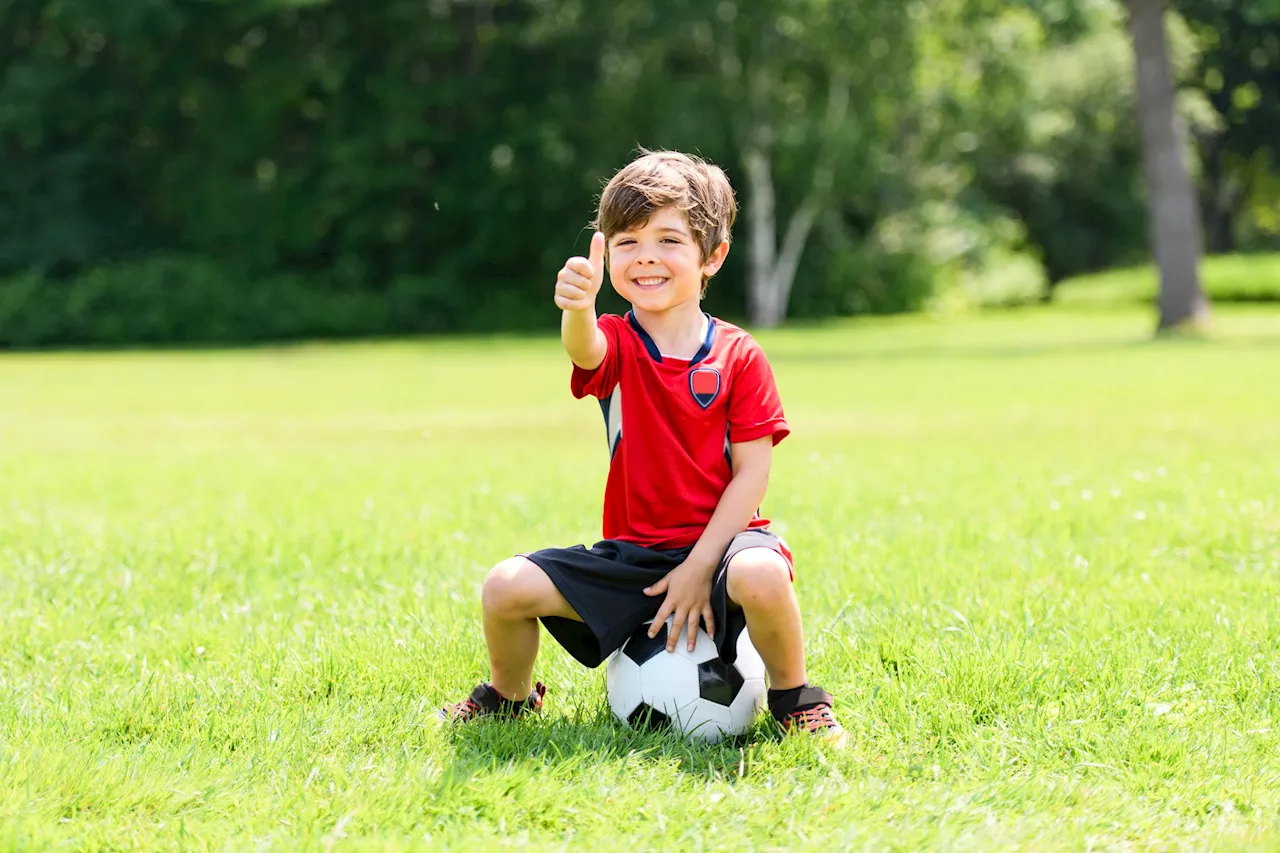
{"x":783,"y":702}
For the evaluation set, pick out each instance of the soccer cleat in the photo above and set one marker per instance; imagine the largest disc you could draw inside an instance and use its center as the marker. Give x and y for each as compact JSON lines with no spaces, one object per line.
{"x":484,"y":701}
{"x":807,"y":710}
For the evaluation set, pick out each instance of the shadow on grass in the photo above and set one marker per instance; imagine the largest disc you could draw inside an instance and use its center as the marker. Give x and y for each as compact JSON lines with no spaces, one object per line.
{"x":568,"y":744}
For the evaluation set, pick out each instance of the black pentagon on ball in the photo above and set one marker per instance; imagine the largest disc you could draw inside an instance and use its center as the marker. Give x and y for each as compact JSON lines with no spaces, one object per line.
{"x":719,"y":682}
{"x":647,"y":717}
{"x":640,"y":647}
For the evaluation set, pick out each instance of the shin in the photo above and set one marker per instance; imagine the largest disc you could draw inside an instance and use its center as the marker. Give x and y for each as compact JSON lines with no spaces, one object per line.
{"x":760,"y":583}
{"x":515,"y":594}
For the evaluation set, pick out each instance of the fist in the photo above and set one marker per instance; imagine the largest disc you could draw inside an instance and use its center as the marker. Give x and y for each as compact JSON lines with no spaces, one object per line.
{"x":579,"y":282}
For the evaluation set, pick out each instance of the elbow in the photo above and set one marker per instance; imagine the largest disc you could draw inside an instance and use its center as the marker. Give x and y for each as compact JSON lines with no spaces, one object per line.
{"x":587,"y":355}
{"x":587,"y":358}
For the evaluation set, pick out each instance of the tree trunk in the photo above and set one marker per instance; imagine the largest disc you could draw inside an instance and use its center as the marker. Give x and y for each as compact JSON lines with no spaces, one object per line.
{"x":773,"y":264}
{"x":765,"y":303}
{"x":1172,"y":214}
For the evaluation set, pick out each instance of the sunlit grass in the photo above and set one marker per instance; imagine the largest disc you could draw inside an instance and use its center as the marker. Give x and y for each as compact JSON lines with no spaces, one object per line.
{"x":1038,"y":555}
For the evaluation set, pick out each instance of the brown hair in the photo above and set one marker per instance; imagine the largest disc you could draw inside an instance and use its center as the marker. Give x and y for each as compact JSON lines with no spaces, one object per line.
{"x":658,"y":179}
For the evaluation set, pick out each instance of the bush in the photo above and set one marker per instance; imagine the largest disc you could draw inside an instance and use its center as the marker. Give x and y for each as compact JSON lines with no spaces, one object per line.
{"x":189,"y":299}
{"x":1226,"y":278}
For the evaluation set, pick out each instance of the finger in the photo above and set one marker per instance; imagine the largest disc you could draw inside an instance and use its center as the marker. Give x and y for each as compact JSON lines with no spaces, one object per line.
{"x":709,"y":618}
{"x":566,"y":304}
{"x":597,"y":258}
{"x":570,"y":290}
{"x":658,"y":588}
{"x":658,"y":620}
{"x":693,"y":629}
{"x":673,"y":635}
{"x":582,"y":267}
{"x":574,"y":278}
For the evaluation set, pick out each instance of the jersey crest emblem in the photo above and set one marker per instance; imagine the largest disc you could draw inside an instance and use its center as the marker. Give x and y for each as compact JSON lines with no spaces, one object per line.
{"x":704,"y":384}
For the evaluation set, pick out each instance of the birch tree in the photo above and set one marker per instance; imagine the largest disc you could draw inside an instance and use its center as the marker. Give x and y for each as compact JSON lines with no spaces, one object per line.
{"x":811,"y":53}
{"x":792,"y":93}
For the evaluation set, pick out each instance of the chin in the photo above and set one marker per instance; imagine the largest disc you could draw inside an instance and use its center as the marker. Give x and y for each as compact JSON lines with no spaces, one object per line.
{"x":653,"y":306}
{"x":657,"y":302}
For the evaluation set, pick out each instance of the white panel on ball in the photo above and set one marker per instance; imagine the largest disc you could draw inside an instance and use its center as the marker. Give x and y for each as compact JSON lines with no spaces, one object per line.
{"x":622,"y":683}
{"x":696,"y":693}
{"x":753,"y":697}
{"x":700,"y":720}
{"x":749,"y":662}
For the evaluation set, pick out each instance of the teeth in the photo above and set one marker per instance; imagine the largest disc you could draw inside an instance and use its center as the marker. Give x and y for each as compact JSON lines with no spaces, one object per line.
{"x":649,"y":281}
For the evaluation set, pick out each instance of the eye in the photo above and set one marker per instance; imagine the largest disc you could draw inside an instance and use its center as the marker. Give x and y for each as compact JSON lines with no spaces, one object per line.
{"x":626,"y":241}
{"x":671,"y":239}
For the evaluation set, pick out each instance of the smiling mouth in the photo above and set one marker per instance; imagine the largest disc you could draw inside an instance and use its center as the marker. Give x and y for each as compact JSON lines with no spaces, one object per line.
{"x":649,"y":282}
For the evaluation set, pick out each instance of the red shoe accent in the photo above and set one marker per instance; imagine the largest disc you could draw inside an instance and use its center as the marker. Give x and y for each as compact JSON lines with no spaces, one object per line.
{"x":484,"y":701}
{"x":818,"y":720}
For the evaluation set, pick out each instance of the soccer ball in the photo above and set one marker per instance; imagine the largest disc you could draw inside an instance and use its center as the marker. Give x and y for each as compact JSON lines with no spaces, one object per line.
{"x":696,"y":693}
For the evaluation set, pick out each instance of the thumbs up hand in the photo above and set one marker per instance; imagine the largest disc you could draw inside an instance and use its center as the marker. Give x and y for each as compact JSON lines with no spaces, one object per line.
{"x":579,"y":282}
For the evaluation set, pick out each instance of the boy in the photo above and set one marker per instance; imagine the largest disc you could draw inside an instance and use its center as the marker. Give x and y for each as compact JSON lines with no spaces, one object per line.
{"x":692,"y":416}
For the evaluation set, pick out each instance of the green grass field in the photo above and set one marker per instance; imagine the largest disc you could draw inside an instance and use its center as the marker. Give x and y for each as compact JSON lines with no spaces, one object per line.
{"x":1038,"y":556}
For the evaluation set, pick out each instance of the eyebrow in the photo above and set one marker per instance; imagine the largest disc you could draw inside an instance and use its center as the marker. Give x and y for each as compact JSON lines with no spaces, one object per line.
{"x":661,"y":230}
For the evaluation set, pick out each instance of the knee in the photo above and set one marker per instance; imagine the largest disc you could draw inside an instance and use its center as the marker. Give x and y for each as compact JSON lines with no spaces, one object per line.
{"x":759,"y":577}
{"x":506,"y":591}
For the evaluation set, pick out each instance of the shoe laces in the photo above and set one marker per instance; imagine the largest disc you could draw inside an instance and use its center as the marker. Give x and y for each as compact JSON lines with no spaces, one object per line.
{"x":468,"y":709}
{"x":813,"y":719}
{"x":465,"y":710}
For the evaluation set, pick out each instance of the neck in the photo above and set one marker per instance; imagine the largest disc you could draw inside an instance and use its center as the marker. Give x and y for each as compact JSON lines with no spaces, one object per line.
{"x":679,"y":331}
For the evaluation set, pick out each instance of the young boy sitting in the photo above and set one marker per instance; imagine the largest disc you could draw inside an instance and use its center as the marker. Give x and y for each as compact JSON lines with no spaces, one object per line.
{"x":692,"y":417}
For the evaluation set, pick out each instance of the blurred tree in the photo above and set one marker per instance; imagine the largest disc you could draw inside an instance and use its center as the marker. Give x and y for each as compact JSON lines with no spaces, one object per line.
{"x":246,"y":169}
{"x":781,"y":90}
{"x":1238,"y":69}
{"x":1171,"y":204}
{"x":1059,"y":143}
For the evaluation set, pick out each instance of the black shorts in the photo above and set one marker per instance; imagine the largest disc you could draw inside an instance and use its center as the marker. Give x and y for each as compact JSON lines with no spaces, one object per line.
{"x":605,"y":584}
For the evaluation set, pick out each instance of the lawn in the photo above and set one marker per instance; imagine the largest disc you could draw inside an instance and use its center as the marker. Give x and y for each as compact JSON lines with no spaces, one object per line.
{"x":1038,"y":556}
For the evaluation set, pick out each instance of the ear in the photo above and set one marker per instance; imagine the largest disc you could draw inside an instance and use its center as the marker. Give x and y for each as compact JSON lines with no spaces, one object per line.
{"x":716,"y":259}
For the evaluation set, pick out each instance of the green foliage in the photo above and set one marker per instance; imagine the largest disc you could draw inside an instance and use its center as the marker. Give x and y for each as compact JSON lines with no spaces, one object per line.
{"x":165,"y":297}
{"x":423,"y":166}
{"x":1238,"y":58}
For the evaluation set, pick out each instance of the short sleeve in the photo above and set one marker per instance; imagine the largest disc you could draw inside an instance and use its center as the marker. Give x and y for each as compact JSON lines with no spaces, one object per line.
{"x":755,"y":408}
{"x":599,"y":383}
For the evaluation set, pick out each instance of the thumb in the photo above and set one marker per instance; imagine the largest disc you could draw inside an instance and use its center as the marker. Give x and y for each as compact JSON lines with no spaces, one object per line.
{"x":597,"y":259}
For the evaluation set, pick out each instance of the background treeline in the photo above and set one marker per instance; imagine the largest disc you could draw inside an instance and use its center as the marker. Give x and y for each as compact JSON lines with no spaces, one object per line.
{"x":233,"y":170}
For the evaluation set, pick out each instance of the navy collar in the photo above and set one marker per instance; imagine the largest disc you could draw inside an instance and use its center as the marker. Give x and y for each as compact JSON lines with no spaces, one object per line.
{"x":702,"y":353}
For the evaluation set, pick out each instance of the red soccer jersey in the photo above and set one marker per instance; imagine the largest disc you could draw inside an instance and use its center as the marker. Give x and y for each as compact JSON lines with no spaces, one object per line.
{"x":670,"y":463}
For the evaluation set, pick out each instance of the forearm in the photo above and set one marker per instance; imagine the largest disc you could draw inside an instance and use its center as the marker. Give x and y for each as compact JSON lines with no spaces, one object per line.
{"x":582,"y":338}
{"x":738,"y":505}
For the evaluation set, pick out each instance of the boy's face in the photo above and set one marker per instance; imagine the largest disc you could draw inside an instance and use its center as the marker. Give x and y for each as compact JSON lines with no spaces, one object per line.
{"x":658,"y":265}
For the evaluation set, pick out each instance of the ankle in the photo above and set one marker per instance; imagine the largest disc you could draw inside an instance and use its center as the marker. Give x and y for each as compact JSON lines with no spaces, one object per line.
{"x":515,"y":695}
{"x":781,"y":685}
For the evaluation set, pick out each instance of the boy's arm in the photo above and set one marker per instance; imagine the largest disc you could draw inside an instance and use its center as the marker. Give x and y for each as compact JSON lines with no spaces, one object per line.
{"x":742,"y":497}
{"x":688,"y":586}
{"x":582,"y":339}
{"x":576,"y":287}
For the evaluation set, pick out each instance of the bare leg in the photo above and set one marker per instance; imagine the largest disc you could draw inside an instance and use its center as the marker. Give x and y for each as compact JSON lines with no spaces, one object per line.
{"x":760,"y":583}
{"x":515,"y":594}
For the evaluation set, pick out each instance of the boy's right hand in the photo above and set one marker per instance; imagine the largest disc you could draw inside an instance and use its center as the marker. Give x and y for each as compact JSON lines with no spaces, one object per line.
{"x":580,"y":280}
